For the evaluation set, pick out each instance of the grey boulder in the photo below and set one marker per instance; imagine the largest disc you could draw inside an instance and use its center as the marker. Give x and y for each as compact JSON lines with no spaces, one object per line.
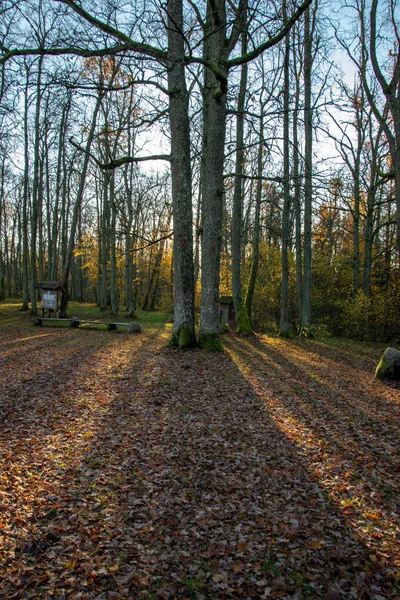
{"x":389,"y":365}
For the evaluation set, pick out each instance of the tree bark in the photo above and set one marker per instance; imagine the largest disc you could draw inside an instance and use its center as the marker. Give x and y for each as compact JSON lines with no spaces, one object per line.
{"x":308,"y":191}
{"x":36,"y":192}
{"x":296,"y":181}
{"x":25,"y":201}
{"x":242,"y":317}
{"x":284,"y":319}
{"x":215,"y":96}
{"x":113,"y":248}
{"x":256,"y":233}
{"x":369,"y":220}
{"x":391,"y":93}
{"x":59,"y":194}
{"x":183,"y":334}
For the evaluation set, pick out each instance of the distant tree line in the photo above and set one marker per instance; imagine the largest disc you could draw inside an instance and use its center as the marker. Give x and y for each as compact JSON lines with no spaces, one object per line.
{"x":158,"y":155}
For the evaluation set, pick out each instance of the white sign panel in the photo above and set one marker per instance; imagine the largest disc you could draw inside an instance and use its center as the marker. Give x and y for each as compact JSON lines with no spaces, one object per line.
{"x":49,"y":299}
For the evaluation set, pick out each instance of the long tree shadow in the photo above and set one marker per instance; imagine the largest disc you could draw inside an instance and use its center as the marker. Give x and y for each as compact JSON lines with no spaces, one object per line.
{"x":348,"y":434}
{"x":344,"y":352}
{"x":192,"y":484}
{"x":51,"y":407}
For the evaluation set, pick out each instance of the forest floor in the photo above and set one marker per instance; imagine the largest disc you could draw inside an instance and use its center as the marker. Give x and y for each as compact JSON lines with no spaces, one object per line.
{"x":129,"y":470}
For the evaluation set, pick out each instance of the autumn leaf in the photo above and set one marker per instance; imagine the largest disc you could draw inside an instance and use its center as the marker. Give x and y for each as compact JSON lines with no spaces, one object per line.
{"x":104,"y":485}
{"x":315,"y":545}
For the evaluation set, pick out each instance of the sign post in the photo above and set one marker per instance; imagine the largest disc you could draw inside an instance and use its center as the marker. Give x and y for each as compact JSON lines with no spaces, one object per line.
{"x":50,"y":291}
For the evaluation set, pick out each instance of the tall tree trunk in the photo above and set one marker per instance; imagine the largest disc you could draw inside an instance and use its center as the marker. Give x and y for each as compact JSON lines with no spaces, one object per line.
{"x":242,"y":317}
{"x":390,"y":90}
{"x":113,"y":248}
{"x":183,"y":334}
{"x":3,"y":228}
{"x":18,"y":279}
{"x":41,"y":249}
{"x":105,"y":243}
{"x":368,"y":238}
{"x":308,"y":191}
{"x":356,"y":232}
{"x":214,"y":98}
{"x":25,"y":201}
{"x":358,"y":102}
{"x":59,"y":193}
{"x":129,"y":241}
{"x":284,"y":319}
{"x":256,"y":234}
{"x":296,"y":181}
{"x":198,"y":230}
{"x":36,"y":192}
{"x":130,"y":265}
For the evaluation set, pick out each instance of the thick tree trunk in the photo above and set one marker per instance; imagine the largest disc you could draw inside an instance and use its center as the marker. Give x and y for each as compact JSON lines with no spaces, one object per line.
{"x":215,"y":95}
{"x":183,"y":334}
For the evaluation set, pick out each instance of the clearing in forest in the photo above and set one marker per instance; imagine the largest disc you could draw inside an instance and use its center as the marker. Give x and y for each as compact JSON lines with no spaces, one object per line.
{"x":129,"y":470}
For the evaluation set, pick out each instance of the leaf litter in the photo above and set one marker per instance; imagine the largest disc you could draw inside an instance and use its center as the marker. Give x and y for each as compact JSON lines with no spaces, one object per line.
{"x":129,"y":470}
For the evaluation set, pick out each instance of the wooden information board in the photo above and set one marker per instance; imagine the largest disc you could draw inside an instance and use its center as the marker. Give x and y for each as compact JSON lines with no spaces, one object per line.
{"x":49,"y":299}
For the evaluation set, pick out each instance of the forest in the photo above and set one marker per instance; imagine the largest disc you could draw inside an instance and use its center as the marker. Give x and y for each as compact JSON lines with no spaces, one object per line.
{"x":156,"y":157}
{"x":159,"y":155}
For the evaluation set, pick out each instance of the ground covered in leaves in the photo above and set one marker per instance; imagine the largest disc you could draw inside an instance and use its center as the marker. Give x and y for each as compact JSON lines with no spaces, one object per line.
{"x":129,"y":470}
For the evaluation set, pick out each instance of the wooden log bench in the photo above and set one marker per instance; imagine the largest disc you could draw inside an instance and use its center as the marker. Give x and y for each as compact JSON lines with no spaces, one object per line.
{"x":111,"y":325}
{"x":74,"y":322}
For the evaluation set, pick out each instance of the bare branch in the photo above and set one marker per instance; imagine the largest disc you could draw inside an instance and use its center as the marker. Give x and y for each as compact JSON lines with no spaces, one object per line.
{"x":139,"y":47}
{"x":273,"y":40}
{"x":123,"y":160}
{"x":164,"y":237}
{"x":11,"y":53}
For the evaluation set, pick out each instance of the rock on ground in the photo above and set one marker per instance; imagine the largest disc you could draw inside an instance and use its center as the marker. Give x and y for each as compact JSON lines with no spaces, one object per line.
{"x":134,"y":327}
{"x":389,"y":365}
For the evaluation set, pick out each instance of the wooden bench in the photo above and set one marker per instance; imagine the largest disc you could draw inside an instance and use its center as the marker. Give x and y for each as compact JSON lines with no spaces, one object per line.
{"x":111,"y":325}
{"x":40,"y":320}
{"x":74,"y":323}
